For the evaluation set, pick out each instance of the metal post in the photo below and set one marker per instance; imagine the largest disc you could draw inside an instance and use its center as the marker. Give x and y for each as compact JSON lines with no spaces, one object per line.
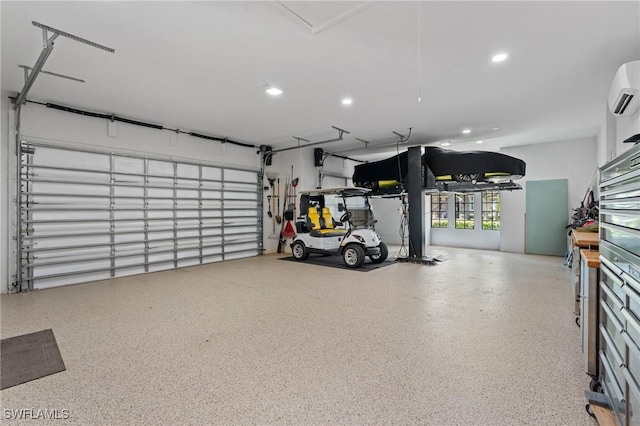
{"x":175,"y":215}
{"x":416,"y":202}
{"x":27,"y":226}
{"x":112,"y":213}
{"x":200,"y":212}
{"x":146,"y":214}
{"x":260,"y":218}
{"x":18,"y":281}
{"x":222,"y":209}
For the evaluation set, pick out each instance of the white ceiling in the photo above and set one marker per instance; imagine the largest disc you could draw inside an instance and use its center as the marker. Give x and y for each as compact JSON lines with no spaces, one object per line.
{"x":202,"y":67}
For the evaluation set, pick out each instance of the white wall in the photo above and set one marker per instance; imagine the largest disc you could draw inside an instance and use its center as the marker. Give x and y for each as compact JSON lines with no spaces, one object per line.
{"x":48,"y":125}
{"x":388,"y":213}
{"x":574,"y":160}
{"x":306,"y":172}
{"x":625,"y":128}
{"x":281,"y":164}
{"x":607,"y":138}
{"x":40,"y":124}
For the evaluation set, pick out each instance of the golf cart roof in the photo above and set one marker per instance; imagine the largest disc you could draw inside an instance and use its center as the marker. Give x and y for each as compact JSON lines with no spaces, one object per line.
{"x":345,"y":191}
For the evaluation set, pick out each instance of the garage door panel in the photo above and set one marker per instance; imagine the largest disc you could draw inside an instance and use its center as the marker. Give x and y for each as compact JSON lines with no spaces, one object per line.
{"x":136,"y":260}
{"x":50,"y":156}
{"x":189,"y":233}
{"x":58,"y":224}
{"x":240,"y":221}
{"x":211,"y":232}
{"x":185,"y":208}
{"x":69,"y":254}
{"x":187,"y":223}
{"x":135,"y":214}
{"x":238,"y":195}
{"x":62,"y":269}
{"x":129,"y":165}
{"x":212,"y":252}
{"x":51,"y":282}
{"x":183,"y":263}
{"x":128,"y":225}
{"x":160,"y":195}
{"x":210,"y":240}
{"x":68,"y":216}
{"x":124,"y":270}
{"x":68,"y":242}
{"x":239,"y":176}
{"x":161,"y":236}
{"x":188,"y":193}
{"x":236,"y":212}
{"x":123,"y":250}
{"x":191,"y":171}
{"x":157,"y":215}
{"x":62,"y":187}
{"x":127,"y":191}
{"x":161,"y":266}
{"x":160,"y":168}
{"x":211,"y":173}
{"x":129,"y":238}
{"x":189,"y":252}
{"x":81,"y":211}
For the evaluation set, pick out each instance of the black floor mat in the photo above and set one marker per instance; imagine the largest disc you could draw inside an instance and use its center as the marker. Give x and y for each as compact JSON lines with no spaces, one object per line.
{"x":29,"y":357}
{"x":336,"y":262}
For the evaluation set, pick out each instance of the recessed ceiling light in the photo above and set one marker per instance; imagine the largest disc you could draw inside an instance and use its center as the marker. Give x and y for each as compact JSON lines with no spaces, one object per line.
{"x":347,"y":101}
{"x":466,"y":131}
{"x":274,"y":91}
{"x":445,"y":143}
{"x":499,"y":57}
{"x":479,"y":141}
{"x":496,"y":128}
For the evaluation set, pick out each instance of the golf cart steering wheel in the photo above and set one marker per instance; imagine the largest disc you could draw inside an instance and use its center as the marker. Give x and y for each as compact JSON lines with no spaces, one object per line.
{"x":345,"y":217}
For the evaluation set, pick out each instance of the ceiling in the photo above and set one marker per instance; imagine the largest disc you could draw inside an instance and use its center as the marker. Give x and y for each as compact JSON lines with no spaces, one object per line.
{"x":203,"y":67}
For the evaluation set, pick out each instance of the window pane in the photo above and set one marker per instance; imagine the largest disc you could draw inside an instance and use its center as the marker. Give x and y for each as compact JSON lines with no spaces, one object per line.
{"x":465,"y":211}
{"x":439,"y":210}
{"x":491,"y":210}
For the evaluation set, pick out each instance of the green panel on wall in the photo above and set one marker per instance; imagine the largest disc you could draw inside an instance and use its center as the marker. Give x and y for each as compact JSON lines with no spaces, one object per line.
{"x":546,"y":217}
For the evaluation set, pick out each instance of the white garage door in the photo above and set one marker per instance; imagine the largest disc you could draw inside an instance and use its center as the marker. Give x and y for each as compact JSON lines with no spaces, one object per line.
{"x":88,"y":215}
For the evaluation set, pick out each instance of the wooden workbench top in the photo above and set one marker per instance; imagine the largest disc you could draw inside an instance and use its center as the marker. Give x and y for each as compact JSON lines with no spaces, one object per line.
{"x":585,"y":239}
{"x":591,"y":256}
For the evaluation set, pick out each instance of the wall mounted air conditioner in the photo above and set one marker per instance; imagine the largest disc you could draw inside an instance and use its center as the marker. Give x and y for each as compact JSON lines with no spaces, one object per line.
{"x":624,"y":94}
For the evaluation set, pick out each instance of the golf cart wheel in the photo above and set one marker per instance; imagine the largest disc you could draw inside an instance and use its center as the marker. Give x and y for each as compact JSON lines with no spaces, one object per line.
{"x":379,"y":258}
{"x":353,"y":256}
{"x":299,"y":251}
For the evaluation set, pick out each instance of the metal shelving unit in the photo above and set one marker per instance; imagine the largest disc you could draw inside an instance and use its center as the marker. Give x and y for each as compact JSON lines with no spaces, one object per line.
{"x":620,"y":285}
{"x":85,"y":215}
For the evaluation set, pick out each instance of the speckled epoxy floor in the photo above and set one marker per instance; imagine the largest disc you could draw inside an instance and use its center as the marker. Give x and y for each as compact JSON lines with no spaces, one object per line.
{"x":485,"y":338}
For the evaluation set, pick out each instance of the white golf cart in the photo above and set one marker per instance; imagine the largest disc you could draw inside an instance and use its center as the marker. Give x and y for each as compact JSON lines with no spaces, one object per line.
{"x":319,"y":233}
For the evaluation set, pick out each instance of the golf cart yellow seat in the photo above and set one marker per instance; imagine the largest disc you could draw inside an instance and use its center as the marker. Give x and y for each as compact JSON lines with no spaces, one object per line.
{"x":316,"y":229}
{"x":314,"y":218}
{"x":327,"y":218}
